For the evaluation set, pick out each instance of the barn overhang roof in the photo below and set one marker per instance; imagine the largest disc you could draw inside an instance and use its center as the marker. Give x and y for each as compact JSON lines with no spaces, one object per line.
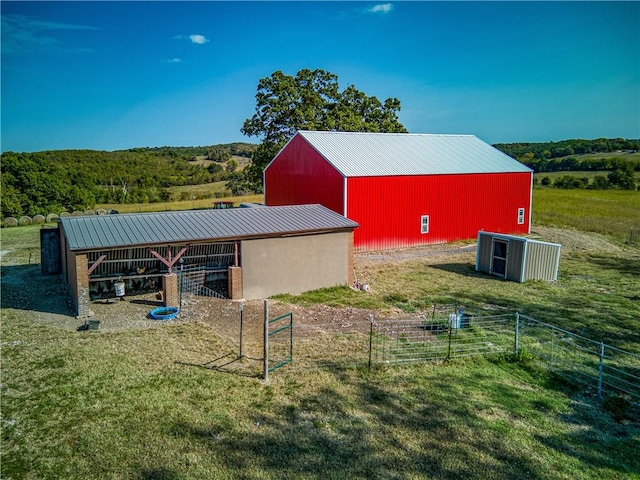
{"x":146,"y":229}
{"x":360,"y":154}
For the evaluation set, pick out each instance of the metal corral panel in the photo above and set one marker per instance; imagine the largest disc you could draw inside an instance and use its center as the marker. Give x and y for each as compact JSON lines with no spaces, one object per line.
{"x":113,"y":231}
{"x":526,"y":259}
{"x":389,"y":210}
{"x":299,"y":174}
{"x":358,"y":154}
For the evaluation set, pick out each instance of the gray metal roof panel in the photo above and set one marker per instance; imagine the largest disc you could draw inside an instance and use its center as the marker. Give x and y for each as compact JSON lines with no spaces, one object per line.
{"x":358,"y":154}
{"x":112,"y":231}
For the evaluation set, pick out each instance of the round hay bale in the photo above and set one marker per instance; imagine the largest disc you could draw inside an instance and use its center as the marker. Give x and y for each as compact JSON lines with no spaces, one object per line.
{"x":77,"y":213}
{"x":65,"y":214}
{"x":101,"y":211}
{"x":52,"y":217}
{"x":10,"y":222}
{"x":25,"y":220}
{"x":113,"y":211}
{"x":89,"y":212}
{"x":38,"y":219}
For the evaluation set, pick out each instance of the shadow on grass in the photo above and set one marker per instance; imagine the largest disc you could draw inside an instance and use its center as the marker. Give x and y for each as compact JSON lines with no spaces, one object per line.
{"x":466,"y":269}
{"x":624,"y":265}
{"x":423,"y":428}
{"x":160,"y":474}
{"x":232,"y":363}
{"x":24,"y":287}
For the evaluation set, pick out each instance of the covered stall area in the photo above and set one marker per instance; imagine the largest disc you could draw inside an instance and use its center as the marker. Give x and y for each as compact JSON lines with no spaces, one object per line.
{"x":244,"y":253}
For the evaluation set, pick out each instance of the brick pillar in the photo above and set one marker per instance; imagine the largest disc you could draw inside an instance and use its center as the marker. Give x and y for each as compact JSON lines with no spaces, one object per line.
{"x":235,"y":283}
{"x":170,"y":289}
{"x":82,"y":300}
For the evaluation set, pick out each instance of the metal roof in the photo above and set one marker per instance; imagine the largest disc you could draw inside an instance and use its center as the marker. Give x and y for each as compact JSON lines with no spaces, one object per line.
{"x":357,"y":154}
{"x":136,"y":229}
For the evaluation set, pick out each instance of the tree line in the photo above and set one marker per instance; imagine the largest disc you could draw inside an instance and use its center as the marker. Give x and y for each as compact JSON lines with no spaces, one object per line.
{"x":66,"y":180}
{"x":566,"y":148}
{"x":618,"y":171}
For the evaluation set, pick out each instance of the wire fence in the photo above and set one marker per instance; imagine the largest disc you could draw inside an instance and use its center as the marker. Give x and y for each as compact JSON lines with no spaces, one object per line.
{"x":375,"y":341}
{"x":414,"y":341}
{"x":595,"y":364}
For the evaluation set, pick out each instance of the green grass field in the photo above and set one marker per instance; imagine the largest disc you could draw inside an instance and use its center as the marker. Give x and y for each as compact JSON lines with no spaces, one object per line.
{"x":194,"y":204}
{"x":132,"y":405}
{"x":123,"y":406}
{"x":609,"y":212}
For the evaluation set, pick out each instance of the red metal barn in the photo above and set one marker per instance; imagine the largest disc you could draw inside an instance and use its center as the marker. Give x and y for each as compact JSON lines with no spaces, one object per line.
{"x":404,"y":189}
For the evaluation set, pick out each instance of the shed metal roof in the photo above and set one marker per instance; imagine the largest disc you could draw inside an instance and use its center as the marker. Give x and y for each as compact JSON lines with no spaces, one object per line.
{"x":357,"y":154}
{"x":136,"y":229}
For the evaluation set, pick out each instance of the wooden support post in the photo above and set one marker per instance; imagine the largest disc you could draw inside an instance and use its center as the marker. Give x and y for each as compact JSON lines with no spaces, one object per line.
{"x":169,"y":262}
{"x":95,"y":264}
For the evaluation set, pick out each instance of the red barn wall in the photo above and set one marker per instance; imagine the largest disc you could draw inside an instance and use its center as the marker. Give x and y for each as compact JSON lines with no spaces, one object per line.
{"x":389,"y":209}
{"x":299,"y":175}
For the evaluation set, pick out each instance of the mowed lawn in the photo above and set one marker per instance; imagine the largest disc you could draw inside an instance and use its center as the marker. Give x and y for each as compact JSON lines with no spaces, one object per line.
{"x":134,"y":405}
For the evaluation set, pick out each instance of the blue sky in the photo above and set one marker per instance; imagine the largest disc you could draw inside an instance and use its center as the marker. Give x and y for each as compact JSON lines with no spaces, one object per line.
{"x":117,"y":75}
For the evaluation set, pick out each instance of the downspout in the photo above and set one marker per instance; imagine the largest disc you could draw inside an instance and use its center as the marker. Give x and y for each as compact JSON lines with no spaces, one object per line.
{"x":344,"y":199}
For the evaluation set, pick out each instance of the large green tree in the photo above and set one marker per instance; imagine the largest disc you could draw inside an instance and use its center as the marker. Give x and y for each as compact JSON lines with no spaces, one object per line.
{"x":311,"y":100}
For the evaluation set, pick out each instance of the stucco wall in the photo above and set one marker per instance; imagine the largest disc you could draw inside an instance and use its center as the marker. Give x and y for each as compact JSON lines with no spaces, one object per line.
{"x":294,"y":264}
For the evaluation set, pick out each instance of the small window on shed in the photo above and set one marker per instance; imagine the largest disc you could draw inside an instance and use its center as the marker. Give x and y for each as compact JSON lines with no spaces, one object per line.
{"x":520,"y":216}
{"x":424,"y":224}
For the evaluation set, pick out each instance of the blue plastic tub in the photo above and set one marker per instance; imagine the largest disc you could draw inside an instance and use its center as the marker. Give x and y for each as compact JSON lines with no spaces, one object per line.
{"x":164,"y":313}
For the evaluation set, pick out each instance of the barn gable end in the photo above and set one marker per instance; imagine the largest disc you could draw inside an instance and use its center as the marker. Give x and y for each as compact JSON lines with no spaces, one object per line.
{"x":299,"y":173}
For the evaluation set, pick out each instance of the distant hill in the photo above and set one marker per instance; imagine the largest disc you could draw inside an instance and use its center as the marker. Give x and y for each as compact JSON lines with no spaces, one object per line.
{"x":611,"y":162}
{"x":564,"y":148}
{"x":66,"y":180}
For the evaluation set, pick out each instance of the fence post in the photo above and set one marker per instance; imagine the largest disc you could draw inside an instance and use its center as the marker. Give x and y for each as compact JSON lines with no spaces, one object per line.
{"x":370,"y":337}
{"x":449,"y":346}
{"x":516,"y":340}
{"x":265,"y":365}
{"x":181,"y":282}
{"x":600,"y":369}
{"x":241,"y":328}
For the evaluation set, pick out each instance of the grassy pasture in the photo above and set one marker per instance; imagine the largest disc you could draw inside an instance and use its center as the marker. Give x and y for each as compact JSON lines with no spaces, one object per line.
{"x":185,"y":204}
{"x":609,"y":212}
{"x":133,"y":405}
{"x":632,"y":156}
{"x":125,"y":406}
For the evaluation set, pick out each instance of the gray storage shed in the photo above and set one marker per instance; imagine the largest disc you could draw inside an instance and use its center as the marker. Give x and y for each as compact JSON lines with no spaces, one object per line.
{"x":517,"y":258}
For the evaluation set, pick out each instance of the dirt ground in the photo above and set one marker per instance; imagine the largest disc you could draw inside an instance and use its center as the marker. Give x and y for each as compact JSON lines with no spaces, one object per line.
{"x":45,"y":299}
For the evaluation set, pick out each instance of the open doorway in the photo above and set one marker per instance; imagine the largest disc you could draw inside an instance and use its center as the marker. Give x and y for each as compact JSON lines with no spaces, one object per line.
{"x":499,"y":253}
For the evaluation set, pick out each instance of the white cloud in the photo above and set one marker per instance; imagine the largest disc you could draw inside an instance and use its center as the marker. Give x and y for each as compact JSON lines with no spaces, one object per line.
{"x":199,"y":39}
{"x":175,"y":60}
{"x":382,"y":8}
